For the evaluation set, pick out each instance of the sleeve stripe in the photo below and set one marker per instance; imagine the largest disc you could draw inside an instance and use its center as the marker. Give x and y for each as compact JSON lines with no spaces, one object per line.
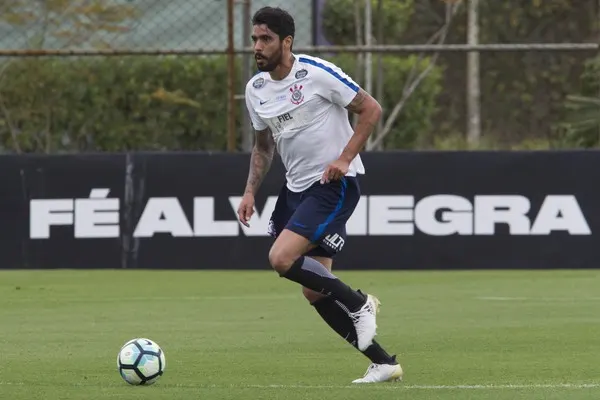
{"x":332,"y":72}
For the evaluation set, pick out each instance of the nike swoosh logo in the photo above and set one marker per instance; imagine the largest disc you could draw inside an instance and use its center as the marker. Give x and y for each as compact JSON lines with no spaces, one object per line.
{"x":263,"y":102}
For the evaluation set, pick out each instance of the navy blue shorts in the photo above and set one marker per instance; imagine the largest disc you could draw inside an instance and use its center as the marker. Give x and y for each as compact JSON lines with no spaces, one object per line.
{"x":319,"y":214}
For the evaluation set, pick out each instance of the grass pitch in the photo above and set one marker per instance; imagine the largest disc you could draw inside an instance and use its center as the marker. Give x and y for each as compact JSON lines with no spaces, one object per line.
{"x":250,"y":335}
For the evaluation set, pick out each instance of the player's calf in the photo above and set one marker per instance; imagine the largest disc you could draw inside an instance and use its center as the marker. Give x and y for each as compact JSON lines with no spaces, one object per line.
{"x":312,"y":296}
{"x":336,"y":316}
{"x":309,"y":294}
{"x":313,"y":275}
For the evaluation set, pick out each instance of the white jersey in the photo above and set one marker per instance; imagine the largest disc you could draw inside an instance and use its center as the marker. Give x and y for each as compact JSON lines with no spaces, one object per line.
{"x":306,"y":114}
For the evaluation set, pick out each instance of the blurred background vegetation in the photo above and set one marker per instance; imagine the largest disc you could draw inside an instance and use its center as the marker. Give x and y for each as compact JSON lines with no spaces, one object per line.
{"x":529,"y":100}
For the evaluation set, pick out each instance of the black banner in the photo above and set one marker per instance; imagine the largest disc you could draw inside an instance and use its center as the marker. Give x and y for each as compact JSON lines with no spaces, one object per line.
{"x":419,"y":210}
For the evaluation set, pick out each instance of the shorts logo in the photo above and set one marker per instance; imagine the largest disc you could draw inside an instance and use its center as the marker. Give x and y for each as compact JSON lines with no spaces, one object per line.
{"x":271,"y":231}
{"x":335,"y":241}
{"x":257,"y":84}
{"x":297,"y":96}
{"x":301,"y":74}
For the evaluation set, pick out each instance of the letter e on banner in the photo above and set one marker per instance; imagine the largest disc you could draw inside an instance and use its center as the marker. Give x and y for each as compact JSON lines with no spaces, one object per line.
{"x":98,"y":216}
{"x":391,"y":215}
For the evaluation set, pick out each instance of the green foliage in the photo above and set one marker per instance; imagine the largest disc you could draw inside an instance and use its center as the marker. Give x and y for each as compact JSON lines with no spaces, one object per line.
{"x":583,"y":121}
{"x":522,"y":93}
{"x":114,"y":104}
{"x":339,"y":22}
{"x":580,"y":126}
{"x":67,"y":22}
{"x":590,"y":78}
{"x":156,"y":103}
{"x":415,"y":120}
{"x":456,"y":141}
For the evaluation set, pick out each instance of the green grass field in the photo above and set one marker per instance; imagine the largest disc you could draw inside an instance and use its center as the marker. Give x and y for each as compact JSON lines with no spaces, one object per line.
{"x":250,"y":335}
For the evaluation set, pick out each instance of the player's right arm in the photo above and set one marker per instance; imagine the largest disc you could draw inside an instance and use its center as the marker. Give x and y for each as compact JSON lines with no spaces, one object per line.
{"x":260,"y":160}
{"x":260,"y":163}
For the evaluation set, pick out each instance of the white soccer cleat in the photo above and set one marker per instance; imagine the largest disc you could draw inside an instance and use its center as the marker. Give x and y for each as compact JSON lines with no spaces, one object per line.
{"x":365,"y":322}
{"x":381,"y":373}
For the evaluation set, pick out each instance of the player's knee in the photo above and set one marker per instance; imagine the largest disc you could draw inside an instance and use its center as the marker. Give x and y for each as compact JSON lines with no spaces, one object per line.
{"x":311,"y":295}
{"x":280,"y":260}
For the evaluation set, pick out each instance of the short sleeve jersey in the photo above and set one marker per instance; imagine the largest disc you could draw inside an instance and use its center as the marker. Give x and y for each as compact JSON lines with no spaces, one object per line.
{"x":306,"y":114}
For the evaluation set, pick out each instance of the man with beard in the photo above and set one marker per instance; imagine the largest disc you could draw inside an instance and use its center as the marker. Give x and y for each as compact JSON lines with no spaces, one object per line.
{"x":299,"y":104}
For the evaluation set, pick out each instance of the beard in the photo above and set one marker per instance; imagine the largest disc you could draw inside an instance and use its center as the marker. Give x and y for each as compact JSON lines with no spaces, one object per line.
{"x":269,"y":64}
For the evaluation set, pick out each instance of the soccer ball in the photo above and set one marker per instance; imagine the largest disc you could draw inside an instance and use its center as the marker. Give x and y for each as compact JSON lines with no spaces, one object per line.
{"x":141,"y":362}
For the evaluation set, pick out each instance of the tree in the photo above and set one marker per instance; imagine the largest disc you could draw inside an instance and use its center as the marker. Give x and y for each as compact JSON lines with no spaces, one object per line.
{"x":340,"y":22}
{"x":581,"y":125}
{"x":342,"y":25}
{"x":415,"y":78}
{"x":522,"y":92}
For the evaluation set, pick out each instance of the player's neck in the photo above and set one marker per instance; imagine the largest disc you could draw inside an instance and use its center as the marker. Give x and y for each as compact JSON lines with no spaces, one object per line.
{"x":283,"y":69}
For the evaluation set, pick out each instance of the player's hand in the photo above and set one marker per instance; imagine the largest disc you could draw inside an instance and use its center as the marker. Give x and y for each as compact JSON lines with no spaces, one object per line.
{"x":246,"y":208}
{"x":334,"y":171}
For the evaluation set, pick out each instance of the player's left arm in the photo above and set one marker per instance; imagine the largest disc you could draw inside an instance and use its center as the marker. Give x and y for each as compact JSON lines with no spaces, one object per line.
{"x":369,"y":112}
{"x":339,"y":88}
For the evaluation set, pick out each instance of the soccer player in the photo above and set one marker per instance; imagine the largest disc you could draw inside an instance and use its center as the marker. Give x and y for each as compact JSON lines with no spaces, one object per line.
{"x":299,"y":104}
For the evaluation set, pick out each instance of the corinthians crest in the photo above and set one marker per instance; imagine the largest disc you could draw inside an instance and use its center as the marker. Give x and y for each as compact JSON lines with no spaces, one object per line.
{"x":297,"y":96}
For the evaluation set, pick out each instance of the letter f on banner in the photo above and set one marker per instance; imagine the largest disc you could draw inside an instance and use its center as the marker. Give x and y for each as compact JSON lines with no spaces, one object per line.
{"x":45,"y":213}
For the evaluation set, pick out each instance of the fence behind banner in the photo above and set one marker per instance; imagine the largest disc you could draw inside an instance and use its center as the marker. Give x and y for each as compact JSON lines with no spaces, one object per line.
{"x":114,"y":75}
{"x":426,"y":210}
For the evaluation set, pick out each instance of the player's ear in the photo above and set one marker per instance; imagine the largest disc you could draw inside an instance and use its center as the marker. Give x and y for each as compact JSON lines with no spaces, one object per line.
{"x":287,"y":42}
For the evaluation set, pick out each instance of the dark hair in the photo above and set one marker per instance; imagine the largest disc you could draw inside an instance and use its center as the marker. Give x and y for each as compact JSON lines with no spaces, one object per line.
{"x":277,"y":20}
